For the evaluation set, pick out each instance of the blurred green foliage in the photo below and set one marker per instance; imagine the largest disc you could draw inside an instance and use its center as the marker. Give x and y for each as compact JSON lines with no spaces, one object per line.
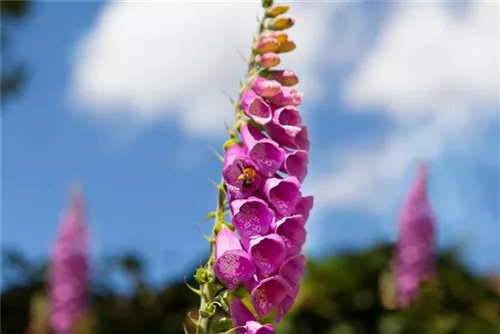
{"x":341,"y":294}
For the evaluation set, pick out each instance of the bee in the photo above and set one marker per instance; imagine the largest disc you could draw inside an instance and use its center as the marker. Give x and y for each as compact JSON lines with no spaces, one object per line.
{"x":248,"y":175}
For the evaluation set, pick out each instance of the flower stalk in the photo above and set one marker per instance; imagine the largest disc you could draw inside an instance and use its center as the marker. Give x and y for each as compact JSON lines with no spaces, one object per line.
{"x":258,"y":254}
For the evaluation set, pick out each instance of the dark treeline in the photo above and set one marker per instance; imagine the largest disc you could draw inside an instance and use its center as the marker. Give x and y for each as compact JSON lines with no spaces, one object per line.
{"x":341,"y":294}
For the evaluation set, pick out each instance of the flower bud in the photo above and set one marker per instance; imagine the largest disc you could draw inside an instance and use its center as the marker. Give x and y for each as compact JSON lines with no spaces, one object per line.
{"x":284,"y":77}
{"x":280,"y":36}
{"x":208,"y":311}
{"x":267,"y":44}
{"x":265,"y":87}
{"x":270,"y":59}
{"x":287,"y":46}
{"x":202,"y":276}
{"x":281,"y":23}
{"x":277,"y":10}
{"x":267,"y":3}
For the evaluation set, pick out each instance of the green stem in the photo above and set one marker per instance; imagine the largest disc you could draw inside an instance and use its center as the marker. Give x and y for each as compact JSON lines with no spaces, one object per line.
{"x":208,"y":289}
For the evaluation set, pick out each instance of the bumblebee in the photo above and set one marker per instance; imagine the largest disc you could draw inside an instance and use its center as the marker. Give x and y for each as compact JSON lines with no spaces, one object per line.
{"x":247,"y":175}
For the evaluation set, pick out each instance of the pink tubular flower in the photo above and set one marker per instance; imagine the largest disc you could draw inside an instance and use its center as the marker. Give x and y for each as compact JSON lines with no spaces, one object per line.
{"x":233,"y":265}
{"x":287,"y":97}
{"x":242,"y":317}
{"x":284,"y":77}
{"x":68,"y":270}
{"x":265,"y":87}
{"x":265,"y":153}
{"x":255,"y":107}
{"x":263,"y":175}
{"x":415,"y":246}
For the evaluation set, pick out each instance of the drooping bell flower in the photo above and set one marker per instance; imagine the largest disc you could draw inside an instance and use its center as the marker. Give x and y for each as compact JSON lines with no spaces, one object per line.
{"x":283,"y":194}
{"x":233,"y":266}
{"x":239,"y":173}
{"x":414,"y":260}
{"x":68,"y":270}
{"x":268,"y":253}
{"x":286,"y":78}
{"x":285,"y":126}
{"x":268,"y":294}
{"x":267,"y":156}
{"x":265,"y":87}
{"x":295,"y":164}
{"x":242,"y":317}
{"x":252,"y":216}
{"x":255,"y":107}
{"x":287,"y":97}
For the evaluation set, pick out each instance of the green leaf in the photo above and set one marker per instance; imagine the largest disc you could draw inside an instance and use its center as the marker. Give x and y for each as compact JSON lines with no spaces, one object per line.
{"x":217,"y":154}
{"x":210,"y":216}
{"x":242,"y":56}
{"x":194,"y":321}
{"x":228,"y":96}
{"x":197,"y":291}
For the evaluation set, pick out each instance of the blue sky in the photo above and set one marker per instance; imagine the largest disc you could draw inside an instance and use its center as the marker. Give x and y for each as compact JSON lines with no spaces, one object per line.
{"x":121,"y":101}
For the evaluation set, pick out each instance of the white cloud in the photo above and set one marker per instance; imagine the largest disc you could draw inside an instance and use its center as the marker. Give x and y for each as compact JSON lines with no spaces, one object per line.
{"x":434,"y":75}
{"x":149,"y":61}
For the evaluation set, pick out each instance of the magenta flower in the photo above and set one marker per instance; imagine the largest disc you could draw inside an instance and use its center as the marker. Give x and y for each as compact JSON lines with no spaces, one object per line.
{"x":287,"y":97}
{"x":237,"y":164}
{"x":265,"y":87}
{"x":233,"y":266}
{"x":284,"y":77}
{"x":415,"y":245}
{"x":251,"y":217}
{"x":268,"y":253}
{"x":304,"y":207}
{"x":68,"y":270}
{"x":267,"y":156}
{"x":283,"y":194}
{"x":291,"y":230}
{"x":285,"y":126}
{"x":295,"y":164}
{"x":255,"y":107}
{"x":242,"y":316}
{"x":268,"y":294}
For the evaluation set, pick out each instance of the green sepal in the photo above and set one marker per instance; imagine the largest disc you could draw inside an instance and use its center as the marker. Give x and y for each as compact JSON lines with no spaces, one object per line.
{"x":255,"y":124}
{"x":223,"y":299}
{"x":230,"y":142}
{"x":203,"y":276}
{"x":240,"y":124}
{"x":209,"y":310}
{"x":222,"y":325}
